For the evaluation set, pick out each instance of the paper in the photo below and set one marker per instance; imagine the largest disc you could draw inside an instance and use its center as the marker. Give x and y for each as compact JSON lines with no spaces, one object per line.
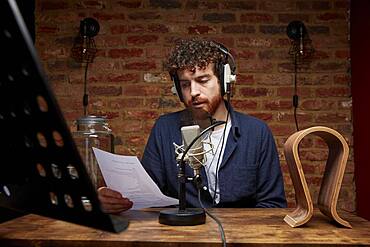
{"x":126,"y":175}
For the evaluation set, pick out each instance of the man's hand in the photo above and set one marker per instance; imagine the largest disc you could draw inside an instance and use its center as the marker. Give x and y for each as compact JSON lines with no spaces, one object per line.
{"x":112,"y":201}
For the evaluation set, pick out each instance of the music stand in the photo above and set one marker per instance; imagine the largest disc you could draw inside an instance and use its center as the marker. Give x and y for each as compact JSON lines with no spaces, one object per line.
{"x":41,"y":171}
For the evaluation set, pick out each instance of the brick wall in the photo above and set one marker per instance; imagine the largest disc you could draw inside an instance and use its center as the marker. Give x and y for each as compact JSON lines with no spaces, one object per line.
{"x":126,"y":82}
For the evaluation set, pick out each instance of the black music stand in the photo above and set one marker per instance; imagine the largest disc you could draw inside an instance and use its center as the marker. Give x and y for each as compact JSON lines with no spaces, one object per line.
{"x":41,"y":171}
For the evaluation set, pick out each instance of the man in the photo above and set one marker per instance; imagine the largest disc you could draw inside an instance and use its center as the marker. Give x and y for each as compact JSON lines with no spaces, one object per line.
{"x":243,"y":168}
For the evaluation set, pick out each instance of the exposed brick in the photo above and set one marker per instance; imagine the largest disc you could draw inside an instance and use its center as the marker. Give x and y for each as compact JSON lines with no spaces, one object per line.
{"x":318,"y":30}
{"x":304,"y":6}
{"x":313,"y":155}
{"x":314,"y":180}
{"x":131,"y":126}
{"x":281,"y":42}
{"x":272,"y":29}
{"x":136,"y":140}
{"x":245,"y":54}
{"x":238,"y":29}
{"x":320,"y":55}
{"x":109,"y":41}
{"x":333,"y":118}
{"x":156,"y":52}
{"x":277,"y":6}
{"x":158,"y":28}
{"x":256,"y":18}
{"x":253,"y":92}
{"x":342,"y":4}
{"x":289,"y":67}
{"x":245,"y":79}
{"x":266,"y":54}
{"x":345,"y":104}
{"x":309,"y":168}
{"x":286,"y":18}
{"x":226,"y":40}
{"x":342,"y":54}
{"x":94,"y":77}
{"x":289,"y":91}
{"x":342,"y":79}
{"x":48,"y":5}
{"x":141,"y":114}
{"x":155,"y":77}
{"x":321,"y":5}
{"x":165,"y":4}
{"x":141,"y":90}
{"x":282,"y":130}
{"x":239,"y":5}
{"x":219,"y":17}
{"x":127,"y":77}
{"x":90,"y":4}
{"x":124,"y":103}
{"x":331,"y":17}
{"x":105,"y":90}
{"x":175,"y":17}
{"x":333,"y":92}
{"x":244,"y":104}
{"x":316,"y":104}
{"x":134,"y":28}
{"x":47,"y":29}
{"x":130,"y":4}
{"x":278,"y":105}
{"x":147,"y":15}
{"x":125,"y":53}
{"x":312,"y":79}
{"x":255,"y":42}
{"x":199,"y":29}
{"x":261,"y":115}
{"x":289,"y":117}
{"x":105,"y":65}
{"x":256,"y":66}
{"x":56,"y":65}
{"x":166,"y":103}
{"x":141,"y":65}
{"x":107,"y":17}
{"x":274,"y":79}
{"x":196,"y":4}
{"x":142,"y":39}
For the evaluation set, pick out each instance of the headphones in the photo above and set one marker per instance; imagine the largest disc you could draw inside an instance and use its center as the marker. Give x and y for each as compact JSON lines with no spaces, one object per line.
{"x":226,"y":73}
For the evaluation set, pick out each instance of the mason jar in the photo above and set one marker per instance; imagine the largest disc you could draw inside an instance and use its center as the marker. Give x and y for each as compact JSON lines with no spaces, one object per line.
{"x":93,"y":131}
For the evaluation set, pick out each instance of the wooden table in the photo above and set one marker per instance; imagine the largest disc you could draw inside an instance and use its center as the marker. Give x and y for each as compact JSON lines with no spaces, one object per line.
{"x":243,"y":227}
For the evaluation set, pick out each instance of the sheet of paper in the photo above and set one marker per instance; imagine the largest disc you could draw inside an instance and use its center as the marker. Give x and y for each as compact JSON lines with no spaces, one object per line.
{"x":126,"y":175}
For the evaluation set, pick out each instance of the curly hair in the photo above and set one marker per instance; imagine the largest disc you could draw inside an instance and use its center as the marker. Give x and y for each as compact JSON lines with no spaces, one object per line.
{"x":191,"y":53}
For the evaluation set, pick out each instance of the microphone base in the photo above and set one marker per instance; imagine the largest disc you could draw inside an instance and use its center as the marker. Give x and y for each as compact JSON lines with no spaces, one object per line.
{"x":187,"y":217}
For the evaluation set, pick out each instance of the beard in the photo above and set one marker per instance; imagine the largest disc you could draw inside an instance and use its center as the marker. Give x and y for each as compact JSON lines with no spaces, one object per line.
{"x":208,"y":110}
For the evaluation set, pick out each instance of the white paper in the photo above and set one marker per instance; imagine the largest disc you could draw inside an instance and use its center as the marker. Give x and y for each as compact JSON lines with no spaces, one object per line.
{"x":126,"y":175}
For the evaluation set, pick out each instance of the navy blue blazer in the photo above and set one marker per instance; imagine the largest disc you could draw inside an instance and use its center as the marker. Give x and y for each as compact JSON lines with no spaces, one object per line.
{"x":249,"y":175}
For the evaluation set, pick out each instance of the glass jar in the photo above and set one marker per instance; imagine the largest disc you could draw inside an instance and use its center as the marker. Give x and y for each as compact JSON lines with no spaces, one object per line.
{"x":93,"y":131}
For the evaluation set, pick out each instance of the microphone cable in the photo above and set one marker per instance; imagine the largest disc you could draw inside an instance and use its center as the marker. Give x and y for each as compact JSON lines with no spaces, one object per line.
{"x":295,"y":96}
{"x":219,"y":224}
{"x":222,"y":146}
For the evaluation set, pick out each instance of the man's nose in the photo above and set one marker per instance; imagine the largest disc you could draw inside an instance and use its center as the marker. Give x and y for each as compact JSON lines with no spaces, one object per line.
{"x":194,"y":89}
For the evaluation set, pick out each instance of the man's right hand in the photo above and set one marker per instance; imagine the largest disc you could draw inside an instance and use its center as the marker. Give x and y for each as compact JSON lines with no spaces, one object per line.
{"x":112,"y":201}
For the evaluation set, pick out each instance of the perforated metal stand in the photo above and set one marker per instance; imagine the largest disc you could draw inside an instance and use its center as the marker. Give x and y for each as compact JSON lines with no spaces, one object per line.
{"x":41,"y":169}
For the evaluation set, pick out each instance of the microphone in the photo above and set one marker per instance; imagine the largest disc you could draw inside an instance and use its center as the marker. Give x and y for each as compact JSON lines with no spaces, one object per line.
{"x":196,"y":153}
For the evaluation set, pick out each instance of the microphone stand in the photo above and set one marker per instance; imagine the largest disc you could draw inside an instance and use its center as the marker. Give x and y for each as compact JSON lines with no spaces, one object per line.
{"x":183,"y":216}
